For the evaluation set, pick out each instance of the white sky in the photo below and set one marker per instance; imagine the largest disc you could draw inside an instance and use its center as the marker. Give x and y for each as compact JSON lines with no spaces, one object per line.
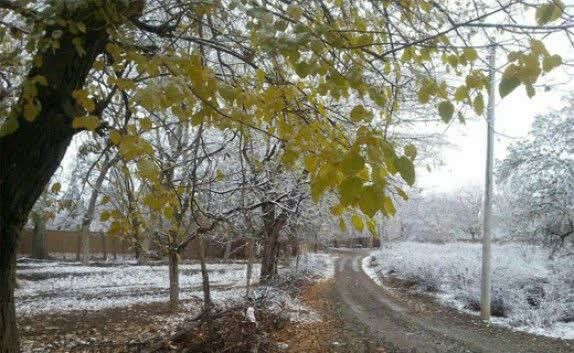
{"x":464,"y":161}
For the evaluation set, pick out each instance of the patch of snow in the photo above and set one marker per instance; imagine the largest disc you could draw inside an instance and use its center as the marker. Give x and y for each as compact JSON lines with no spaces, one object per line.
{"x":535,"y":293}
{"x":316,"y":265}
{"x":281,"y":302}
{"x":368,"y":266}
{"x":64,"y":287}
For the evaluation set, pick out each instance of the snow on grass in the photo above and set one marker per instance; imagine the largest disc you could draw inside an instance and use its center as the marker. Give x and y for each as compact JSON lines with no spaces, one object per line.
{"x":314,"y":265}
{"x":529,"y":291}
{"x":57,"y":286}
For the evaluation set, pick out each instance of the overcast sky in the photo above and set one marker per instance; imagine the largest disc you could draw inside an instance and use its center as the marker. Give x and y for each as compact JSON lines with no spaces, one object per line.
{"x":464,"y":161}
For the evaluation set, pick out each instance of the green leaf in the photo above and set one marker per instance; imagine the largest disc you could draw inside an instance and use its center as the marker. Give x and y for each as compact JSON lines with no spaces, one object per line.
{"x":549,"y":12}
{"x":507,"y":85}
{"x":478,"y":104}
{"x":446,"y":110}
{"x":407,"y":170}
{"x":318,"y":186}
{"x":369,"y":201}
{"x":359,"y":113}
{"x":551,"y":62}
{"x":470,"y":54}
{"x":410,"y":151}
{"x":461,"y":93}
{"x":352,"y":163}
{"x":349,"y":190}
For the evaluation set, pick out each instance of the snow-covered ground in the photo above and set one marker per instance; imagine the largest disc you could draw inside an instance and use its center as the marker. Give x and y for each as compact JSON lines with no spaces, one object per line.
{"x":64,"y":286}
{"x":530,"y":291}
{"x":52,"y":286}
{"x":314,"y":265}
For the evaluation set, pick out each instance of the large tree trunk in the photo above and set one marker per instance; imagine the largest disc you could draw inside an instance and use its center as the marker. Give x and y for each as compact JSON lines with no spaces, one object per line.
{"x":173,"y":279}
{"x":272,"y":228}
{"x":9,"y":342}
{"x":38,"y":238}
{"x":30,"y":155}
{"x":85,"y":241}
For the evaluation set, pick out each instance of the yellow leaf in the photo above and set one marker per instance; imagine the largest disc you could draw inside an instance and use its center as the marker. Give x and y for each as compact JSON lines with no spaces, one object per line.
{"x":145,"y":124}
{"x":104,"y":216}
{"x":357,"y":222}
{"x":30,"y":111}
{"x":342,"y":225}
{"x":124,"y":84}
{"x":352,"y":163}
{"x":311,"y":163}
{"x":388,"y":207}
{"x":115,"y":137}
{"x":147,"y":168}
{"x":446,"y":110}
{"x":337,"y":210}
{"x":359,"y":113}
{"x":56,"y":188}
{"x":82,"y":98}
{"x":89,"y":122}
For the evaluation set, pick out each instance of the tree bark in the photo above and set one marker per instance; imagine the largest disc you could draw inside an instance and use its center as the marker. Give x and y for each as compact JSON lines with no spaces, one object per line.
{"x":144,"y":258}
{"x":228,"y":246}
{"x":104,"y":246}
{"x":173,"y":279}
{"x":30,"y":155}
{"x":250,"y":259}
{"x":89,"y":214}
{"x":78,"y":245}
{"x":9,"y":342}
{"x":205,"y":286}
{"x":272,"y":228}
{"x":38,"y":238}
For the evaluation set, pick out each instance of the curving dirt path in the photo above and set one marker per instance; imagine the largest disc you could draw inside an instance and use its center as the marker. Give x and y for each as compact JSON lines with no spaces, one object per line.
{"x":410,"y":323}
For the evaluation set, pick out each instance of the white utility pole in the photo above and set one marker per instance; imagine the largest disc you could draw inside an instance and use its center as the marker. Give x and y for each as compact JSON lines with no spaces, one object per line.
{"x":485,"y":283}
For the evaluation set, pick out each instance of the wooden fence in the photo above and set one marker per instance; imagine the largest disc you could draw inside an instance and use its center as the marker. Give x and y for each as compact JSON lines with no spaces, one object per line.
{"x":60,"y":243}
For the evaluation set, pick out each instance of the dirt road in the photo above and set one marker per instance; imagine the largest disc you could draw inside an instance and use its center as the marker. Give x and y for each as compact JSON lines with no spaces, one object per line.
{"x":403,"y":322}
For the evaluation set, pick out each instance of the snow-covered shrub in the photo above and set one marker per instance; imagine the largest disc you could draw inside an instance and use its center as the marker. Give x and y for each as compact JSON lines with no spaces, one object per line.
{"x":527,"y":287}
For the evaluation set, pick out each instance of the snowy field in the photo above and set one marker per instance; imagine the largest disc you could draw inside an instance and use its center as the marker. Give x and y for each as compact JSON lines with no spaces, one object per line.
{"x":57,"y":286}
{"x":530,"y":292}
{"x":65,"y":286}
